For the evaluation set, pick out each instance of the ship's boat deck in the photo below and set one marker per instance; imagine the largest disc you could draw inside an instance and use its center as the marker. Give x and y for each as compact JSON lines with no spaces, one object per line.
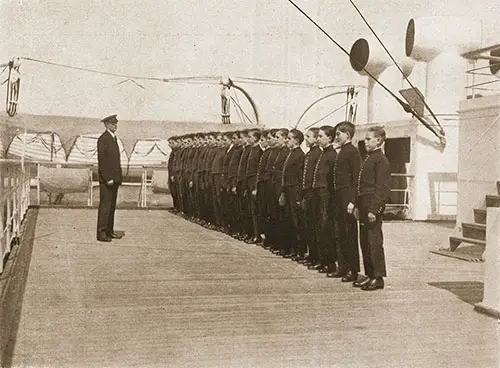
{"x":174,"y":294}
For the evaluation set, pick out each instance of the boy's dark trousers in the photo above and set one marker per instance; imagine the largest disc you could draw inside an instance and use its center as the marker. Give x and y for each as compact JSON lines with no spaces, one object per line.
{"x":268,"y":199}
{"x":294,"y":238}
{"x":322,"y":231}
{"x":226,"y":208}
{"x":235,"y":212}
{"x":274,"y":210}
{"x":278,"y":223}
{"x":330,"y":242}
{"x":253,"y":205}
{"x":372,"y":240}
{"x":309,"y":225}
{"x":217,"y":198}
{"x":243,"y":209}
{"x":347,"y":234}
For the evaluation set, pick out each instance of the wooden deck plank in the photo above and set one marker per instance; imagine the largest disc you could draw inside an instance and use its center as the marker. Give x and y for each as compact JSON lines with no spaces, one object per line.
{"x":171,"y":293}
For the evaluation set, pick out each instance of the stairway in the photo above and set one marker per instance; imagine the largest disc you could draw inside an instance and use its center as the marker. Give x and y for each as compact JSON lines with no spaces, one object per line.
{"x":475,"y":232}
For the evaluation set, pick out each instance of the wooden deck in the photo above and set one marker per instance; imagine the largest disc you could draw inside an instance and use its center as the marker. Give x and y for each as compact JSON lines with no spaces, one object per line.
{"x":174,"y":294}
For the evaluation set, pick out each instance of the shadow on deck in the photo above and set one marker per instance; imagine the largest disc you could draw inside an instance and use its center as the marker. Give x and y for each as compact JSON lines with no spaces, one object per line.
{"x":470,"y":292}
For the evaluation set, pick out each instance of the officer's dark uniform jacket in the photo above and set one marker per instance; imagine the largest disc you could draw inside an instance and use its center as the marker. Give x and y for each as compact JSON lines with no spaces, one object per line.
{"x":109,"y":159}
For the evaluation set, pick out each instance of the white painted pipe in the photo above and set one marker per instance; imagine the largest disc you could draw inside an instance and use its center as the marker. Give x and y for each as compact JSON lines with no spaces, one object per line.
{"x":368,"y":55}
{"x":427,"y":37}
{"x":440,"y":41}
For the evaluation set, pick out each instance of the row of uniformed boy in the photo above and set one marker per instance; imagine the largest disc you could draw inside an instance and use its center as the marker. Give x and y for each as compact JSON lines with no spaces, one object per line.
{"x":260,"y":187}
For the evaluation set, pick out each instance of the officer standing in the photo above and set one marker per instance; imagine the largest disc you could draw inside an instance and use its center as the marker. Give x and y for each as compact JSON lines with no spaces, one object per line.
{"x":110,"y":178}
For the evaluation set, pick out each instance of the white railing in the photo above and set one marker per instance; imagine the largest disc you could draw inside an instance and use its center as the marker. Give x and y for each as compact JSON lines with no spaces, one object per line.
{"x":405,"y":205}
{"x":146,"y":182}
{"x":15,"y":200}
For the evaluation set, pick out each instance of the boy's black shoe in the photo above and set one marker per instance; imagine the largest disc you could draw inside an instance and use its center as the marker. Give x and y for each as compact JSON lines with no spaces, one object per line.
{"x":374,"y":284}
{"x":336,"y":274}
{"x":362,"y":280}
{"x":350,"y":277}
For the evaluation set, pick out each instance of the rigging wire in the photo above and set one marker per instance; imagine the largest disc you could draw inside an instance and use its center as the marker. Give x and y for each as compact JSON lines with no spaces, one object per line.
{"x":397,"y":65}
{"x":327,"y":115}
{"x":274,"y":82}
{"x":202,"y":79}
{"x":403,"y":104}
{"x":86,"y":69}
{"x":244,"y":113}
{"x":205,"y":78}
{"x":237,"y":110}
{"x":314,"y":103}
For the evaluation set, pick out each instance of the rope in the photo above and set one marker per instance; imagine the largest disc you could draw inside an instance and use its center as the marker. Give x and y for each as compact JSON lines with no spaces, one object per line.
{"x":155,"y":145}
{"x":92,"y":152}
{"x":38,"y":138}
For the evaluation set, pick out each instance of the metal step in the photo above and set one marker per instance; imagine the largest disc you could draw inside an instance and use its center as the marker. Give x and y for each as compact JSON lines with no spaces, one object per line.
{"x":474,"y":231}
{"x":492,"y":200}
{"x":455,"y":241}
{"x":479,"y":216}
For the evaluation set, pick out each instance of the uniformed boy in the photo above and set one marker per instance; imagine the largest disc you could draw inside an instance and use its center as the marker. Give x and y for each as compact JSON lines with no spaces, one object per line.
{"x":322,"y":179}
{"x":277,"y":213}
{"x":345,"y":177}
{"x":251,"y":172}
{"x":293,"y":167}
{"x":309,"y":211}
{"x":373,"y":192}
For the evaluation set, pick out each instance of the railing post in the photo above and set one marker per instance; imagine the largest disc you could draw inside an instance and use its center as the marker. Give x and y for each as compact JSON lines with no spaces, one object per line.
{"x":15,"y":210}
{"x":89,"y":199}
{"x":8,"y":225}
{"x":28,"y":188}
{"x":38,"y":183}
{"x":144,"y":204}
{"x":3,"y":241}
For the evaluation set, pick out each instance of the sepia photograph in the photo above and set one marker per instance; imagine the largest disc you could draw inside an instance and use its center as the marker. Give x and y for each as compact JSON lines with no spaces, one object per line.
{"x":250,"y":184}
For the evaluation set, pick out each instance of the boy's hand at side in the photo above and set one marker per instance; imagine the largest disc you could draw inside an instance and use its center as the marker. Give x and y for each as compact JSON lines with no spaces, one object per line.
{"x":371,"y":217}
